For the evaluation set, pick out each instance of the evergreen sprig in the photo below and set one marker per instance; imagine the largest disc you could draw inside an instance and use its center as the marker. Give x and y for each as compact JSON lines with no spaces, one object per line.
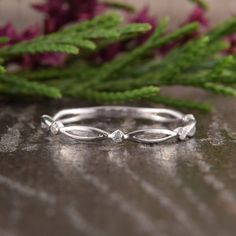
{"x":70,"y":39}
{"x":4,"y":39}
{"x":134,"y":75}
{"x":114,"y":97}
{"x":120,"y":5}
{"x":14,"y":85}
{"x":2,"y":69}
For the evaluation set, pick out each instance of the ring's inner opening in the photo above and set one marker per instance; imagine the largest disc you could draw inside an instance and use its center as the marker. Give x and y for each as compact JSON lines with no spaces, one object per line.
{"x":124,"y":118}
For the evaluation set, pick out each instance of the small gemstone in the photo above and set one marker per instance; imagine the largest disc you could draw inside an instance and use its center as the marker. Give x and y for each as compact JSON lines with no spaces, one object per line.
{"x":182,"y":133}
{"x":117,"y":136}
{"x":55,"y":127}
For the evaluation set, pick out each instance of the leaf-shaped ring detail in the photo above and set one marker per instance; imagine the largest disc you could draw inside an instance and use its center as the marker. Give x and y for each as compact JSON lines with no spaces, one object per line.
{"x":135,"y":135}
{"x":90,"y":133}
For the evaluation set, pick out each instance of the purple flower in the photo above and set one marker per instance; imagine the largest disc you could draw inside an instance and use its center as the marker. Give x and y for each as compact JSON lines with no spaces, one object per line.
{"x":144,"y":17}
{"x":109,"y":53}
{"x":9,"y":31}
{"x":44,"y":59}
{"x":56,"y":12}
{"x":231,"y":50}
{"x":198,"y":15}
{"x":61,"y":12}
{"x":30,"y":33}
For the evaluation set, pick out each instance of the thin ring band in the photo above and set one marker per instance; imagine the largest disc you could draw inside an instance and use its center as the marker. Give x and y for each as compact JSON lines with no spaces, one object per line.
{"x":62,"y":122}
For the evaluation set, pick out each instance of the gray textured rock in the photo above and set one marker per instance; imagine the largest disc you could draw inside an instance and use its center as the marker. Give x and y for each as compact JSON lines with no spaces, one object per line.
{"x":50,"y":185}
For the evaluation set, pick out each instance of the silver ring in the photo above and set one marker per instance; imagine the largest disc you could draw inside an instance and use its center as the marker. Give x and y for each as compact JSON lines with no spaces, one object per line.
{"x":63,"y":123}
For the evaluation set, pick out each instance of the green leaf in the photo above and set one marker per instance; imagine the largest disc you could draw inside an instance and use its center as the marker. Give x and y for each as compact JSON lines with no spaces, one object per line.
{"x":106,"y":21}
{"x":108,"y":97}
{"x":4,"y":39}
{"x":220,"y":89}
{"x":120,"y":5}
{"x":181,"y":103}
{"x":15,"y":85}
{"x":134,"y":29}
{"x":224,"y":29}
{"x":2,"y":69}
{"x":32,"y":48}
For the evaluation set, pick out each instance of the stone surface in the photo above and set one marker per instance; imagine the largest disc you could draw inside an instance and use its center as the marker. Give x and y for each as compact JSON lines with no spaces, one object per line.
{"x":51,"y":185}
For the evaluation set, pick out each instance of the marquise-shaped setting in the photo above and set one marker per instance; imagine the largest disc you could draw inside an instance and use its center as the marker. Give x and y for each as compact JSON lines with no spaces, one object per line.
{"x":151,"y":135}
{"x":84,"y":133}
{"x":46,"y":122}
{"x":189,"y":129}
{"x":51,"y":125}
{"x":186,"y":131}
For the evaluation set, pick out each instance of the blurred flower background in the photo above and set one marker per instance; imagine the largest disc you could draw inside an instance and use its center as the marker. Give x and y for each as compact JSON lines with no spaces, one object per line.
{"x":51,"y":15}
{"x":177,"y":9}
{"x":201,"y":54}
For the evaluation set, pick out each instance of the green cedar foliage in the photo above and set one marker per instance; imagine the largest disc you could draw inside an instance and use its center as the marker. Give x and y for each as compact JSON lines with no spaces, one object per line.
{"x":133,"y":75}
